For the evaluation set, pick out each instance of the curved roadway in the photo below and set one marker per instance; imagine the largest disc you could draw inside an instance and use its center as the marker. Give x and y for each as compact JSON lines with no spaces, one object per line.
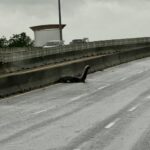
{"x":111,"y":111}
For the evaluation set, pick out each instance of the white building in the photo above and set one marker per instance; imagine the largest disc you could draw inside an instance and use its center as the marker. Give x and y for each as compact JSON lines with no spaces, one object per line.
{"x":46,"y":33}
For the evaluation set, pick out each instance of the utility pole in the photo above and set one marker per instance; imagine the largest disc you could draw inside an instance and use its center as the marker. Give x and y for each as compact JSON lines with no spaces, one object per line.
{"x":60,"y":24}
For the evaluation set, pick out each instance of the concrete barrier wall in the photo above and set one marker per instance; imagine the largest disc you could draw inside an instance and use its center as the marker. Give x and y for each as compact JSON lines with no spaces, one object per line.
{"x":25,"y":81}
{"x":62,"y":57}
{"x":20,"y":54}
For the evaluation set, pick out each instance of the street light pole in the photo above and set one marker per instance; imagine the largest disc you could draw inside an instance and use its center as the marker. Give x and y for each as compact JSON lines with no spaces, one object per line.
{"x":60,"y":24}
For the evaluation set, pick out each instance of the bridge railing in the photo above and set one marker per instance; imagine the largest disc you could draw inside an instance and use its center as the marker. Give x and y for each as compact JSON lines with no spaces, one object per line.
{"x":18,"y":54}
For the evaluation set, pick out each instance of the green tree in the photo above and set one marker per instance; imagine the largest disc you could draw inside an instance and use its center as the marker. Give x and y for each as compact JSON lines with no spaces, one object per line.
{"x":3,"y":42}
{"x":20,"y":40}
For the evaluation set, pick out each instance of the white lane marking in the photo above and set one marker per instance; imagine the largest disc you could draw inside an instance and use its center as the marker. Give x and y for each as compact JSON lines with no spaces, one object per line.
{"x":148,"y":97}
{"x":78,"y":97}
{"x":44,"y":110}
{"x":133,"y":108}
{"x":2,"y":125}
{"x":123,"y":79}
{"x":139,"y":72}
{"x":102,"y":87}
{"x":112,"y":123}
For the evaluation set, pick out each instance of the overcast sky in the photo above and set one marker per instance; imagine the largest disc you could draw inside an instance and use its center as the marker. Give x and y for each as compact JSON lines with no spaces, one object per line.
{"x":95,"y":19}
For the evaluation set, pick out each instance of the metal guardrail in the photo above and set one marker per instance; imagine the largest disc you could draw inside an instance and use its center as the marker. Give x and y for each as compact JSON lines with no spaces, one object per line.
{"x":18,"y":54}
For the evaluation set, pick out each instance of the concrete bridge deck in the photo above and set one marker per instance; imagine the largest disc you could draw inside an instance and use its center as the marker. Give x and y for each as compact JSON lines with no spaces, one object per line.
{"x":109,"y":112}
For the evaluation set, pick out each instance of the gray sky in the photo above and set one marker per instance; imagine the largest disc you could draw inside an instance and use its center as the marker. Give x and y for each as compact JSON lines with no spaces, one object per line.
{"x":95,"y":19}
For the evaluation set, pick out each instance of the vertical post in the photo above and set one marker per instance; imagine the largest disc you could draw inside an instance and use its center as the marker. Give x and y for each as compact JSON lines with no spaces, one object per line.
{"x":60,"y":24}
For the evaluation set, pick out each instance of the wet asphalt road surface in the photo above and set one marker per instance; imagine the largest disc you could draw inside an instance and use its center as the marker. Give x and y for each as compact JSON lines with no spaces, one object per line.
{"x":111,"y":111}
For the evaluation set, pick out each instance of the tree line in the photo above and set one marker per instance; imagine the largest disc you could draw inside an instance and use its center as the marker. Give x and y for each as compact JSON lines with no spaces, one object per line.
{"x":16,"y":40}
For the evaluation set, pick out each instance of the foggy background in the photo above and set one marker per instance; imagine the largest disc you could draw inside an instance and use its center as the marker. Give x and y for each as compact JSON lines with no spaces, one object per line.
{"x":95,"y":19}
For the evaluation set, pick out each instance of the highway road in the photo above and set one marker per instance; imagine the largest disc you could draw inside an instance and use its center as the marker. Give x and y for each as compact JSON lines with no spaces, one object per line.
{"x":111,"y":111}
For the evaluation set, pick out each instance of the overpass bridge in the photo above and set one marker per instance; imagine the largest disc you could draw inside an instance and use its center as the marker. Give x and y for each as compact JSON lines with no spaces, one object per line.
{"x":25,"y":69}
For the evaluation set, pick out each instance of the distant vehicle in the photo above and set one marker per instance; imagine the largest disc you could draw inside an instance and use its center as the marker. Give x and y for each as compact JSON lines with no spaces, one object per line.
{"x":53,"y":44}
{"x":79,"y":41}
